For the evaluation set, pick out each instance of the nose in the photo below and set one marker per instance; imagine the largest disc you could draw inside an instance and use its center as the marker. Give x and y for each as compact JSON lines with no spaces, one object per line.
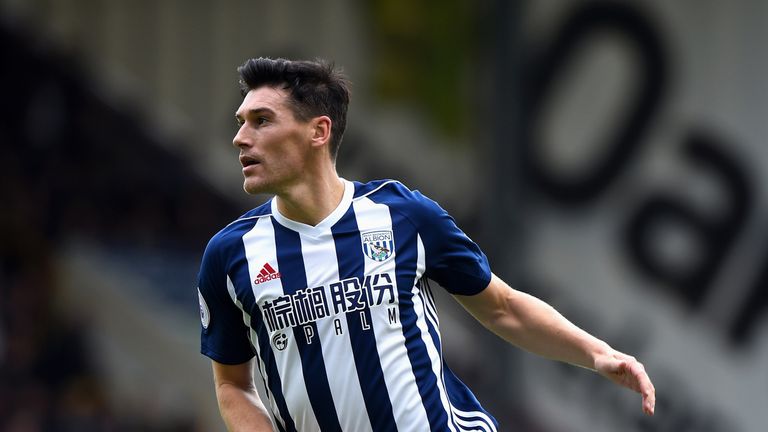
{"x":240,"y":140}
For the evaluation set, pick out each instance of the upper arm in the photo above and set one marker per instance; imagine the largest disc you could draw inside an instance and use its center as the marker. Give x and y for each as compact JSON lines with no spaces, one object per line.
{"x":239,"y":401}
{"x":452,"y":259}
{"x":223,"y":333}
{"x":237,"y":375}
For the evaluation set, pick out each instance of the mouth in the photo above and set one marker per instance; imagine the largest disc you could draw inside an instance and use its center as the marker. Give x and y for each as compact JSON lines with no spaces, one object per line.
{"x":247,"y":161}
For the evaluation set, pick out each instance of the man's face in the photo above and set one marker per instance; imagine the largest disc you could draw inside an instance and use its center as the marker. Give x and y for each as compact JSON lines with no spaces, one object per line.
{"x":274,"y":145}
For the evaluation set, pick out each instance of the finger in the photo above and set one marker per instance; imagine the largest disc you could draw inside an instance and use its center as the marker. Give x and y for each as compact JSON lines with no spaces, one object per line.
{"x":644,"y":384}
{"x":645,"y":387}
{"x":649,"y":395}
{"x":649,"y":404}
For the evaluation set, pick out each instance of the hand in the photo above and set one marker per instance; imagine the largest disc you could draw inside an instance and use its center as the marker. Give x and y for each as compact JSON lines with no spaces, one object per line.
{"x":626,"y":371}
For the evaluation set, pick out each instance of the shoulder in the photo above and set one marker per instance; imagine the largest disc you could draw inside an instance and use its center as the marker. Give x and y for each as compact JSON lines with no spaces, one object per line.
{"x":391,"y":192}
{"x":230,"y":237}
{"x":410,"y":203}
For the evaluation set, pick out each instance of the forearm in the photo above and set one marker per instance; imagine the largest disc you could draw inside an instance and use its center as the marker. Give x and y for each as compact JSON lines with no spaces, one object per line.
{"x":533,"y":325}
{"x":241,"y":409}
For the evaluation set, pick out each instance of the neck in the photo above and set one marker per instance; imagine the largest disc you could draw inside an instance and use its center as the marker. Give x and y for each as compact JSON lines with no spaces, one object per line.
{"x":312,"y":200}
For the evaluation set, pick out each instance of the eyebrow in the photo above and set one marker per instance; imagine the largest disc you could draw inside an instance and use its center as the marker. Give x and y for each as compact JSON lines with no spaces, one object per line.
{"x":255,"y":112}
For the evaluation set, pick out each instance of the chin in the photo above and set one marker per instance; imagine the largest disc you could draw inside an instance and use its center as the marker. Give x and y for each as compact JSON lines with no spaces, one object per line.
{"x":255,"y":188}
{"x":250,"y":189}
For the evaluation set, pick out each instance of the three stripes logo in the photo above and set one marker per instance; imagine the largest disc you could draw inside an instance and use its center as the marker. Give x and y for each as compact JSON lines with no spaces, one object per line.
{"x":267,"y":273}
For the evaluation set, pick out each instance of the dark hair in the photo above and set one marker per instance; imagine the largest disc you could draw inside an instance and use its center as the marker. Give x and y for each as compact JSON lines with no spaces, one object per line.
{"x":315,"y":88}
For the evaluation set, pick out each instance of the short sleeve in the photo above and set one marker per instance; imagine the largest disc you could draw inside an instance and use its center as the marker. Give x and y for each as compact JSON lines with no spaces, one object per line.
{"x":452,"y":259}
{"x":224,"y":335}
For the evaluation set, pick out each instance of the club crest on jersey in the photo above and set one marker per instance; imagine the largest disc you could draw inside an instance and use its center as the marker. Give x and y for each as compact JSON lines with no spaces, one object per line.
{"x":378,"y":245}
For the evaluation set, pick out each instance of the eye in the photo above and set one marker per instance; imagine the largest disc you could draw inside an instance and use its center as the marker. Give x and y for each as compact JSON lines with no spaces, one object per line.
{"x":239,"y":122}
{"x":261,"y":121}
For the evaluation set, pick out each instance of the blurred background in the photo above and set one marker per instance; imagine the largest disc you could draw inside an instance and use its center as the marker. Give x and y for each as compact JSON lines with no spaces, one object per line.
{"x":608,"y":156}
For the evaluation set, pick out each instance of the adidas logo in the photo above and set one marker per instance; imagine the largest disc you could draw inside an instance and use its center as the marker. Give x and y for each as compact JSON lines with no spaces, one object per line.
{"x":267,"y":273}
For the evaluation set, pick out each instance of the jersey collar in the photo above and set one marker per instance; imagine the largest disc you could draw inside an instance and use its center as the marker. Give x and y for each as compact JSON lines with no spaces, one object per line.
{"x":325,"y":224}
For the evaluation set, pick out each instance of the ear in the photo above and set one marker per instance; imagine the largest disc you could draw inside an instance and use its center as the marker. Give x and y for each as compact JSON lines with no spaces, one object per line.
{"x":321,"y":131}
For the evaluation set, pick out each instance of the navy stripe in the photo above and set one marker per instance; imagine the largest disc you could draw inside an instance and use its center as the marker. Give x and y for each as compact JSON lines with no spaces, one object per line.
{"x":433,"y":332}
{"x":428,"y":310}
{"x":472,"y":428}
{"x":362,"y":189}
{"x":456,"y":386}
{"x":431,"y":324}
{"x":346,"y":235}
{"x":428,"y":291}
{"x":262,"y":374}
{"x":241,"y":280}
{"x":462,"y":398}
{"x":485,"y":425}
{"x":406,"y":257}
{"x":279,"y":426}
{"x":294,"y":278}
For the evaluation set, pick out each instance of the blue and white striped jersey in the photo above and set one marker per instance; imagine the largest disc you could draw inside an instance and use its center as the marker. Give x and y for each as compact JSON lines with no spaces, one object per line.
{"x":340,"y":316}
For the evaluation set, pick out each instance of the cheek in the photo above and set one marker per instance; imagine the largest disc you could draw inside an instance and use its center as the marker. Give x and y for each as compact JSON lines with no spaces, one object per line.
{"x":293,"y":153}
{"x":293,"y":161}
{"x":282,"y":161}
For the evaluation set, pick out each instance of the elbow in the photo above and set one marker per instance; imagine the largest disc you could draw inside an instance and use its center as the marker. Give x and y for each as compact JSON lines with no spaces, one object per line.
{"x":504,"y":320}
{"x":225,"y":387}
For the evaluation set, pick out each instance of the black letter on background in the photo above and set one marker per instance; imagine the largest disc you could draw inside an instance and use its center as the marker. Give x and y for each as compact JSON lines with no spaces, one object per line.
{"x":715,"y":234}
{"x":590,"y":20}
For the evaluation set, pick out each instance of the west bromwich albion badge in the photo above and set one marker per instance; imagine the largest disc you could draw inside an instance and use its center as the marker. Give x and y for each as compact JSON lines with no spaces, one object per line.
{"x":378,"y":245}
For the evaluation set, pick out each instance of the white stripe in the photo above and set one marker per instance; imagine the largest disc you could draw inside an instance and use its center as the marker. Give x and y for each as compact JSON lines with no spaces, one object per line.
{"x":377,"y":188}
{"x":399,"y":378}
{"x":466,"y":425}
{"x":463,"y":416}
{"x":431,"y":298}
{"x":255,"y":342}
{"x":430,"y":303}
{"x":432,"y":317}
{"x":259,"y":249}
{"x":432,"y":350}
{"x":321,"y":266}
{"x":248,"y":218}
